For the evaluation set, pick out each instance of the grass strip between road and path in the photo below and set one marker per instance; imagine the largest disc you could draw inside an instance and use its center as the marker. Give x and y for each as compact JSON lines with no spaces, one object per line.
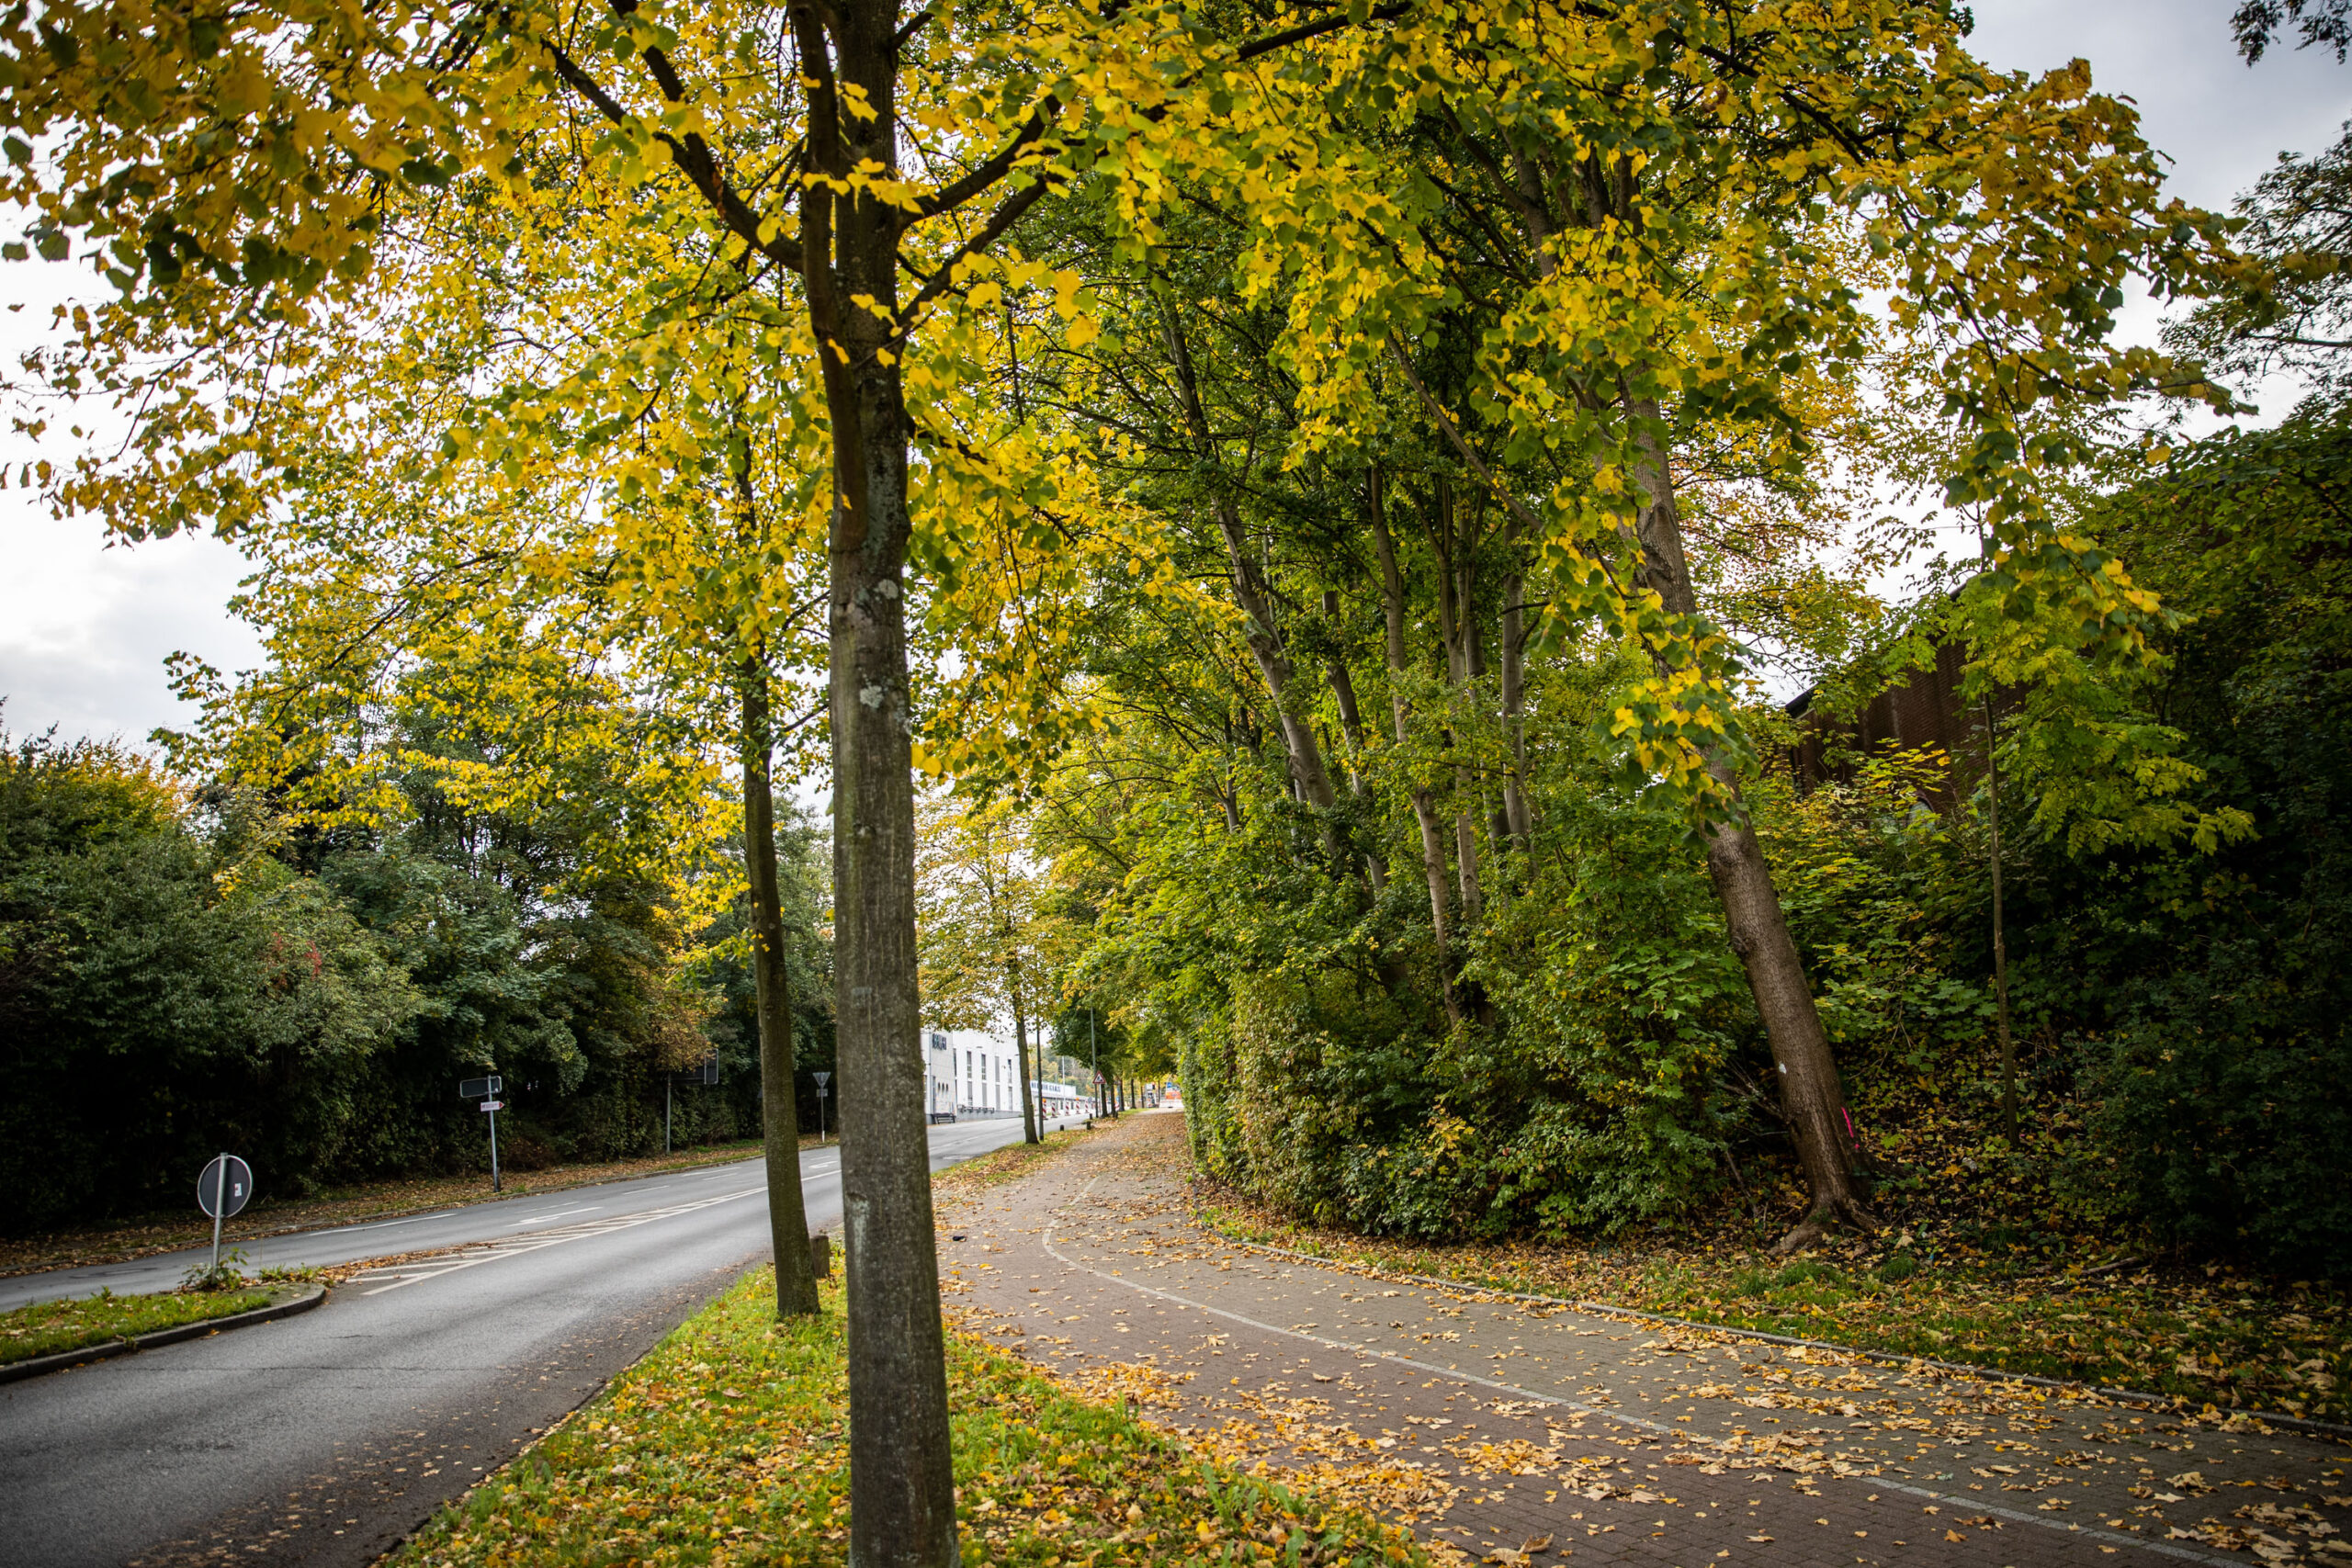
{"x":49,"y":1328}
{"x":729,"y":1443}
{"x":2223,"y":1343}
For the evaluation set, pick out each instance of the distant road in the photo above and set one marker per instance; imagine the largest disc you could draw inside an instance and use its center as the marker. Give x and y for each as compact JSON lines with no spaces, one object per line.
{"x":324,"y":1438}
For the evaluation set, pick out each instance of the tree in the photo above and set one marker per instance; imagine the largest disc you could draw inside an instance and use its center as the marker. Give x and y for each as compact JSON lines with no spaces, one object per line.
{"x":977,"y":891}
{"x":362,"y":104}
{"x":2293,"y":313}
{"x":1662,"y":188}
{"x":168,"y":992}
{"x":1661,"y":266}
{"x":2257,"y":25}
{"x":350,"y":607}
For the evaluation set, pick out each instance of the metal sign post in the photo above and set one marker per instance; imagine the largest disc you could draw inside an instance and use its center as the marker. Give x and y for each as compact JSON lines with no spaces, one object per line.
{"x":222,"y":1191}
{"x":493,"y":1107}
{"x":486,"y":1091}
{"x":823,"y":1079}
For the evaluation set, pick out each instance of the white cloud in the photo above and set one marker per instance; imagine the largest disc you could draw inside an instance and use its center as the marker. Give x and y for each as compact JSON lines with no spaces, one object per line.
{"x":84,"y":629}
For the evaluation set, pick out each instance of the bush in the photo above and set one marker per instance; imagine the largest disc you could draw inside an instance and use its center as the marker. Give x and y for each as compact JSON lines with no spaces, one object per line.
{"x":2223,"y":1117}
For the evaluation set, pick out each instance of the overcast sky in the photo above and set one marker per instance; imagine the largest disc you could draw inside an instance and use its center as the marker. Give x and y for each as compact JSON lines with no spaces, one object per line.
{"x":84,"y":629}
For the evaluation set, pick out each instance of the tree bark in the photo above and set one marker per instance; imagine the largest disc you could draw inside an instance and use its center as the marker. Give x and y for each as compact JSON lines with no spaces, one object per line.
{"x":1498,"y":834}
{"x":902,"y":1487}
{"x":1456,"y":631}
{"x":1343,"y":691}
{"x":2000,"y":931}
{"x":1392,"y":604}
{"x":1813,"y":1100}
{"x":1021,"y":1050}
{"x":796,"y":1286}
{"x":1516,"y":815}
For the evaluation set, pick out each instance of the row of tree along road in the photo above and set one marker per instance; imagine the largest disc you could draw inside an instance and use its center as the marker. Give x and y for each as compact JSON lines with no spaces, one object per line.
{"x":976,"y":393}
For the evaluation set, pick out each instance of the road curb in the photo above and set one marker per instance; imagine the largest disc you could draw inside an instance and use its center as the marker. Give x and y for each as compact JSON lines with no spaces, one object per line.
{"x":303,"y":1299}
{"x":1884,"y":1357}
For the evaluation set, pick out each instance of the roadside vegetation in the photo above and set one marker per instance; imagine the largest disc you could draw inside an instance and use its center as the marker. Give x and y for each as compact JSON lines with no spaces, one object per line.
{"x":1325,"y":497}
{"x":46,"y":1328}
{"x":727,"y":1444}
{"x":2223,"y":1340}
{"x":2175,"y":1031}
{"x":308,"y":994}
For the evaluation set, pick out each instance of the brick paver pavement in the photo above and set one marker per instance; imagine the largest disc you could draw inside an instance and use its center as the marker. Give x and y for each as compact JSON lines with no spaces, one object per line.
{"x":1618,"y":1440}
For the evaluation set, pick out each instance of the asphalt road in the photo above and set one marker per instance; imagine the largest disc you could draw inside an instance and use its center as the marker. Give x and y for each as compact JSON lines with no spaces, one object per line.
{"x":323,"y":1440}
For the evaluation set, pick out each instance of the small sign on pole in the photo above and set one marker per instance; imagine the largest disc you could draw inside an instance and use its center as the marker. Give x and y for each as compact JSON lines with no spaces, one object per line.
{"x":823,"y":1079}
{"x":486,"y":1091}
{"x":222,"y":1191}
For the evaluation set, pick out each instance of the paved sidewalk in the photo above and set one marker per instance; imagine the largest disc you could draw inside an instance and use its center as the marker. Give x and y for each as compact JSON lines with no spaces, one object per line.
{"x":1517,"y":1432}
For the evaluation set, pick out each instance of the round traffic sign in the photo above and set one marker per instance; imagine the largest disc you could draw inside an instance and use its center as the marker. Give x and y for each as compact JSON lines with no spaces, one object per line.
{"x":225,"y":1186}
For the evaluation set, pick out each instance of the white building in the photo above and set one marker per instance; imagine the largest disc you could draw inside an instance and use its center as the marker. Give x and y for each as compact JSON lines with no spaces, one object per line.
{"x":939,"y":1094}
{"x":972,"y":1074}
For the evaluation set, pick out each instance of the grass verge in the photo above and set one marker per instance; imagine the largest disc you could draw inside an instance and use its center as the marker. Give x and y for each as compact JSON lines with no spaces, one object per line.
{"x":45,"y":1328}
{"x":729,"y":1444}
{"x":2218,"y":1340}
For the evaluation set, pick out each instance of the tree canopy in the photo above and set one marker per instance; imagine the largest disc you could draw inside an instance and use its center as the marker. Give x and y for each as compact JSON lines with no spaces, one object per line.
{"x":1330,"y":480}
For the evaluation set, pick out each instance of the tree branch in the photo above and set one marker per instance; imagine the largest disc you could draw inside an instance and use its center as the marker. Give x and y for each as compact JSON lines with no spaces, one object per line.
{"x":693,"y":157}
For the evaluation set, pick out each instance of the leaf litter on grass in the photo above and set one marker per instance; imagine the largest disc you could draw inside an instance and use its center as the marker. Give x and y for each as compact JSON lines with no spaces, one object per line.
{"x":46,"y":1328}
{"x":729,"y":1444}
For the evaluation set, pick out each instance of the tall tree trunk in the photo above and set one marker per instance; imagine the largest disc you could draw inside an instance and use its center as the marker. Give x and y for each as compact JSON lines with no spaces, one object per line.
{"x":2000,"y":931}
{"x":1392,"y":604}
{"x":796,"y":1286}
{"x":1812,"y":1098}
{"x":1037,"y":1061}
{"x":1498,"y":834}
{"x":1454,"y":629}
{"x":902,"y":1487}
{"x":1343,"y":691}
{"x":1021,"y":1050}
{"x":1254,"y":594}
{"x":1516,"y":816}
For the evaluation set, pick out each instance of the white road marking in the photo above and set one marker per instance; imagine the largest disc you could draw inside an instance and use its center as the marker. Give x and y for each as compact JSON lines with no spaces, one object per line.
{"x":556,"y":1214}
{"x":398,"y":1275}
{"x":2164,"y":1548}
{"x":378,"y":1225}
